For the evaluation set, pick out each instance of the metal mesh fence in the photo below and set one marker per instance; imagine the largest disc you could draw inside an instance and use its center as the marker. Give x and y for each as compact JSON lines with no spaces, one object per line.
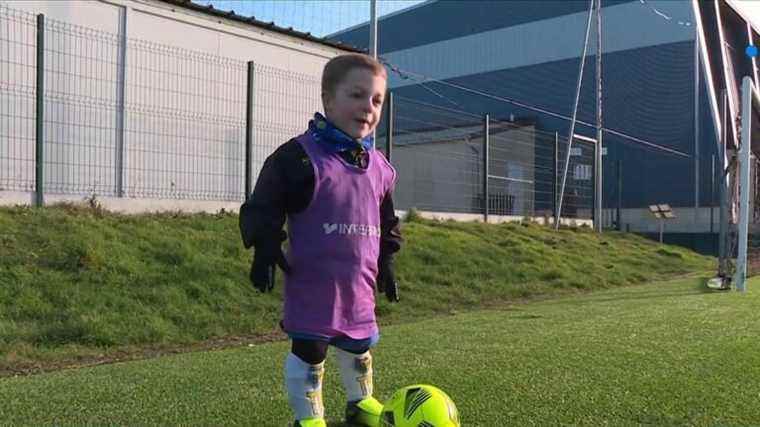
{"x":81,"y":106}
{"x":17,"y":99}
{"x":440,"y":157}
{"x":283,"y":104}
{"x":515,"y":168}
{"x":134,"y":118}
{"x":578,"y":199}
{"x":436,"y":152}
{"x":184,"y":123}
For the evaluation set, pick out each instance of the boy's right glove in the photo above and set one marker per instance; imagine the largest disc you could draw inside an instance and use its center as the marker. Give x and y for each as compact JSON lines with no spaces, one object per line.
{"x":386,"y":279}
{"x":263,"y":267}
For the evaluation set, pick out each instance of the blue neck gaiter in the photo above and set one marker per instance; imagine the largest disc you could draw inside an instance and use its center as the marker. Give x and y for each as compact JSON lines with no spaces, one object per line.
{"x":334,"y":139}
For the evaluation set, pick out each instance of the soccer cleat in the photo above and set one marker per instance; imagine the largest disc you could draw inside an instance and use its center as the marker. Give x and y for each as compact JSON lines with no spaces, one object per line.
{"x":310,"y":422}
{"x":365,"y":412}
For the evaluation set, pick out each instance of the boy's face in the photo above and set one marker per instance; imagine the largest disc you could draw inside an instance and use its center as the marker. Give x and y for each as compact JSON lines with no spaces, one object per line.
{"x":357,"y":102}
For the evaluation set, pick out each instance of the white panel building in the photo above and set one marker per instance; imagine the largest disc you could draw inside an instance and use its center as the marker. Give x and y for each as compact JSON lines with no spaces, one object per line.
{"x":145,"y":101}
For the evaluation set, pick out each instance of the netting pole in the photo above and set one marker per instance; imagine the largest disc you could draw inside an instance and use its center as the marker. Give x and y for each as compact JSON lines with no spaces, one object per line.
{"x":696,"y":121}
{"x":570,"y":136}
{"x":723,"y":194}
{"x":373,"y":43}
{"x":39,"y":198}
{"x":373,"y":28}
{"x":598,"y":153}
{"x":744,"y":183}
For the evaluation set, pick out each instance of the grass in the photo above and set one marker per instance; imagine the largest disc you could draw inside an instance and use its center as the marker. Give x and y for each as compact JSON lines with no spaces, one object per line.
{"x":83,"y":284}
{"x":667,"y":353}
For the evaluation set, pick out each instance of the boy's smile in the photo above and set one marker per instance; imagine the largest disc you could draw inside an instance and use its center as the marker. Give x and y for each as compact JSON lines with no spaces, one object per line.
{"x":357,"y":103}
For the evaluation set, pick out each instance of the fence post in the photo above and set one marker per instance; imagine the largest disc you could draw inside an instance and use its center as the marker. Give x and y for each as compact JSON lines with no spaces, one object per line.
{"x":39,"y":199}
{"x":594,"y":169}
{"x":486,"y":171}
{"x":120,"y":105}
{"x":249,"y":132}
{"x":619,"y":194}
{"x":555,"y":173}
{"x":389,"y":123}
{"x":712,"y":194}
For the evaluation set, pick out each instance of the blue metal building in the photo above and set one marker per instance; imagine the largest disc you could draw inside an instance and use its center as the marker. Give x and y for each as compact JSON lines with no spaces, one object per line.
{"x":660,"y":100}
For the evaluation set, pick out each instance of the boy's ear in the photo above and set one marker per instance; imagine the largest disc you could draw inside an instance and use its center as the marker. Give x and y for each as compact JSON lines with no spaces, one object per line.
{"x":326,"y":101}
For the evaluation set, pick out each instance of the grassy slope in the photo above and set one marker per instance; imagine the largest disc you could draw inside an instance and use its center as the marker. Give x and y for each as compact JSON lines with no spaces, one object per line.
{"x":77,"y":282}
{"x":659,"y":354}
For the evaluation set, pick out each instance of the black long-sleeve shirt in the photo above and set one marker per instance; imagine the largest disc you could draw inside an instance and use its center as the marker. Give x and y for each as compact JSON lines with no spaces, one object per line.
{"x":285,"y":186}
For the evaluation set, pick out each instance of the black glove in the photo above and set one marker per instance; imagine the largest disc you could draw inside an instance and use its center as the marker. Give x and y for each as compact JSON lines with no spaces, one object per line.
{"x":263,"y":267}
{"x":386,"y":279}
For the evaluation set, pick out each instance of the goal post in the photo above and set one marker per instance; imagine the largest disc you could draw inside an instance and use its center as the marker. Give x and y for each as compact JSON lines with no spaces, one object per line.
{"x":750,"y":97}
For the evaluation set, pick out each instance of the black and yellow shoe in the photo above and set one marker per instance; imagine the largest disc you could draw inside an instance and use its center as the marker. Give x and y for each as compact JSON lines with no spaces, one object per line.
{"x":365,"y":412}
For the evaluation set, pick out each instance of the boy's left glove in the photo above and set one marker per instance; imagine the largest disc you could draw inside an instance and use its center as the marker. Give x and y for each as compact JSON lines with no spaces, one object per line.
{"x":386,"y":279}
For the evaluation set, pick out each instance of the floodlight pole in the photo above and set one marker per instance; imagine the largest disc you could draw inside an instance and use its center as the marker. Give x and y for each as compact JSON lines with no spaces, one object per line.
{"x":662,"y":228}
{"x":575,"y":115}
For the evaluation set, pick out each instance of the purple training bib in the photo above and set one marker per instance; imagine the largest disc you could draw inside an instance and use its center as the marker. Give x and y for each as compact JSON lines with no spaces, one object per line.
{"x":334,"y":245}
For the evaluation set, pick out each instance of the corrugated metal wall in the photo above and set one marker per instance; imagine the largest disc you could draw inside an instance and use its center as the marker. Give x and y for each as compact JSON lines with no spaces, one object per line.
{"x":527,"y":51}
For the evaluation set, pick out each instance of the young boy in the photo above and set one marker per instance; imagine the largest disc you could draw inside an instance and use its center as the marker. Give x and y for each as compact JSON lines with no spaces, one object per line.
{"x":335,"y":192}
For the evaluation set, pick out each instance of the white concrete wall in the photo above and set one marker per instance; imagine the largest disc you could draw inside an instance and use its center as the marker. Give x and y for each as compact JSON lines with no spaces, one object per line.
{"x":178,"y":85}
{"x":495,"y":219}
{"x":687,"y":220}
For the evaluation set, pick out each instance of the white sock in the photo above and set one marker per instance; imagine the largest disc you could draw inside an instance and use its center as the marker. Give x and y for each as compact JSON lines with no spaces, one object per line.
{"x":356,"y":373}
{"x":304,"y":383}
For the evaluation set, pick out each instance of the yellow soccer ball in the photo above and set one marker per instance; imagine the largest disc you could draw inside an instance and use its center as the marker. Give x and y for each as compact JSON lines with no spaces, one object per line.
{"x":419,"y":405}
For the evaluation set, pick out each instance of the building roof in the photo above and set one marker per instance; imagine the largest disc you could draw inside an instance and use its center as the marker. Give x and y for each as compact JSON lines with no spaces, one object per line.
{"x":252,"y":21}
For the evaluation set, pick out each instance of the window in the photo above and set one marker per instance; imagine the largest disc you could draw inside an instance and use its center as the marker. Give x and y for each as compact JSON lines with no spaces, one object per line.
{"x":582,"y":173}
